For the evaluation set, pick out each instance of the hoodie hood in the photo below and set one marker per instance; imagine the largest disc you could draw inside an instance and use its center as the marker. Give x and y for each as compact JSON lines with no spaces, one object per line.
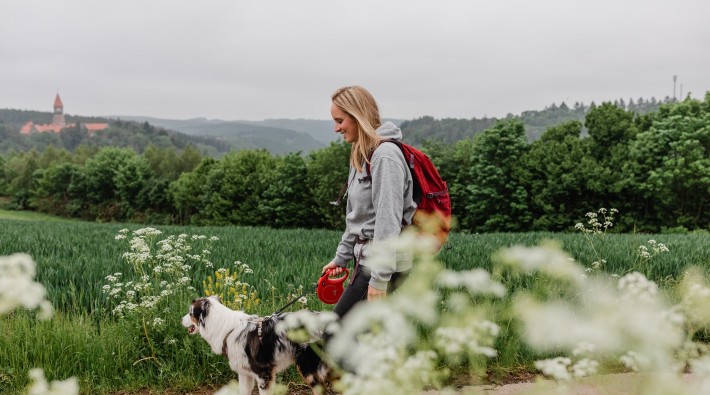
{"x":389,"y":130}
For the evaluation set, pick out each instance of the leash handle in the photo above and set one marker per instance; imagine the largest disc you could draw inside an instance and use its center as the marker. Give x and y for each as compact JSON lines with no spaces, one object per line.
{"x":330,"y":289}
{"x":325,"y":277}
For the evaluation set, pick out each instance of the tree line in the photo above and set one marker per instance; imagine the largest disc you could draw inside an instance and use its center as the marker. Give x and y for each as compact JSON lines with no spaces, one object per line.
{"x":654,"y":168}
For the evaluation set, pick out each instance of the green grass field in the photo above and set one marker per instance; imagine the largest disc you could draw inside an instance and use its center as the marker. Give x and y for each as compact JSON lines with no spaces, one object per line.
{"x":85,"y":341}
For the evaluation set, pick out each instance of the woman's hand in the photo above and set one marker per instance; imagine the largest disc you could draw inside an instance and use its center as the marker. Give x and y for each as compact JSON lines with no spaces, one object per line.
{"x":375,"y":294}
{"x":335,"y":269}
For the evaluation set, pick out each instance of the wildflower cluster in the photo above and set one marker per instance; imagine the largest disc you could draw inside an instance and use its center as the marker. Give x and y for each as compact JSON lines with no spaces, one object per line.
{"x":655,"y":249}
{"x":402,"y":339}
{"x":160,"y":270}
{"x":160,"y":281}
{"x":594,"y":226}
{"x":628,"y":319}
{"x":233,"y":293}
{"x":595,"y":229}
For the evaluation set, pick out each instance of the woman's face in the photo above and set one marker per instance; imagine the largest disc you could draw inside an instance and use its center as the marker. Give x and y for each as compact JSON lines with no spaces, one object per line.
{"x":344,"y":124}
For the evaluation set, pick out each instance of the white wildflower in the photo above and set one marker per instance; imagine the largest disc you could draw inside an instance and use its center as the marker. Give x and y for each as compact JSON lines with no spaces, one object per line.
{"x":18,"y":287}
{"x":555,"y":368}
{"x":585,"y":367}
{"x":40,"y":386}
{"x":584,"y":348}
{"x":548,"y":259}
{"x":477,"y":281}
{"x":232,"y":388}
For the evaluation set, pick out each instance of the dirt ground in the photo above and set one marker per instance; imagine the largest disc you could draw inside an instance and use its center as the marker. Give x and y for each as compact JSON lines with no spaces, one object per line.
{"x":608,"y":384}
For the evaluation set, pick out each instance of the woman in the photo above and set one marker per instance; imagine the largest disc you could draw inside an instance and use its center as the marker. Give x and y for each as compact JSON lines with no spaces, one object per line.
{"x":379,"y":200}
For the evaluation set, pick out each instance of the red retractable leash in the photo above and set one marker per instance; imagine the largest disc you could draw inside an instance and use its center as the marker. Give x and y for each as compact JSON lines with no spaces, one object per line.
{"x":329,"y":289}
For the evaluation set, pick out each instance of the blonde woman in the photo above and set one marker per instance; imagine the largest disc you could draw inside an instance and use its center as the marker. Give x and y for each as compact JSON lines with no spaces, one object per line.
{"x":379,"y":200}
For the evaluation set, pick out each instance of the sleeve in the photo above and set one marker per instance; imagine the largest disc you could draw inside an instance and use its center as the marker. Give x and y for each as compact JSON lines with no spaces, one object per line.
{"x":344,"y":252}
{"x":388,"y":178}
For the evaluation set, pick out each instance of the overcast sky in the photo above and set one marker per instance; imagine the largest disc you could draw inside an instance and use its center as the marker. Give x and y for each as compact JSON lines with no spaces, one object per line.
{"x":252,"y":60}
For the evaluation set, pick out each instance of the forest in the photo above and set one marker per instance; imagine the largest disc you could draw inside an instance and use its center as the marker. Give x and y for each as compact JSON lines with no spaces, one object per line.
{"x":652,"y":166}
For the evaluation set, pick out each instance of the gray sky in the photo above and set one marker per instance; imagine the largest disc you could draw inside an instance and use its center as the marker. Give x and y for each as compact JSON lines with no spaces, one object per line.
{"x":252,"y":60}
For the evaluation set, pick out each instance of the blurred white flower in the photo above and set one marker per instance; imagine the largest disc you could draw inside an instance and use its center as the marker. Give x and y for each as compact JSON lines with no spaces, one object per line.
{"x":18,"y":288}
{"x":232,"y":388}
{"x":555,"y":368}
{"x":547,"y":258}
{"x":40,"y":386}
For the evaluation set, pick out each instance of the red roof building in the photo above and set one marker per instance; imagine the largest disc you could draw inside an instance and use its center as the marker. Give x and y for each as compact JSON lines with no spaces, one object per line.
{"x":59,"y":122}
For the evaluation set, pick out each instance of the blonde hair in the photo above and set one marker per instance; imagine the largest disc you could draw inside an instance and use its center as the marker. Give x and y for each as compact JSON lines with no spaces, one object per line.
{"x":357,"y":102}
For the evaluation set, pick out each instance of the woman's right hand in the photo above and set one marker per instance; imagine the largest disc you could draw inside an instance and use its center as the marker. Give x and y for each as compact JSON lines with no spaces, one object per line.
{"x":334,"y":269}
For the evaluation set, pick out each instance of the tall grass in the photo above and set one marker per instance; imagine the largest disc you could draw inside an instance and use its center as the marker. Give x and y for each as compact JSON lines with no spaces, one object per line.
{"x":83,"y":340}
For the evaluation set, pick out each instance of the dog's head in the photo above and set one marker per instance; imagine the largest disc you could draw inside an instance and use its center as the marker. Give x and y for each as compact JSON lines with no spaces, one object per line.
{"x":197,"y":314}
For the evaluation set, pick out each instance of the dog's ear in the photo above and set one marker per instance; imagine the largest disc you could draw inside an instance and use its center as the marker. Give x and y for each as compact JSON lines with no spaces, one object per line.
{"x":201,"y":311}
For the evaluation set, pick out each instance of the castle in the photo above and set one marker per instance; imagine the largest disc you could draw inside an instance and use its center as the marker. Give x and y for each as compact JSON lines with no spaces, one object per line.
{"x":59,"y":123}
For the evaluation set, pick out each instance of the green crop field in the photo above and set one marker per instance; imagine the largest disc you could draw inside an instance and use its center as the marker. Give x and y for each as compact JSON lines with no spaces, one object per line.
{"x":85,"y":340}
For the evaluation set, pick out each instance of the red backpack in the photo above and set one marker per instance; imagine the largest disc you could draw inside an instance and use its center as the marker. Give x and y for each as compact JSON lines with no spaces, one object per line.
{"x":431,"y":193}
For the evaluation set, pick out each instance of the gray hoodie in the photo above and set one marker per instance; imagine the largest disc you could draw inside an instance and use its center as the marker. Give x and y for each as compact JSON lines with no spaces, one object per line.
{"x":375,"y":209}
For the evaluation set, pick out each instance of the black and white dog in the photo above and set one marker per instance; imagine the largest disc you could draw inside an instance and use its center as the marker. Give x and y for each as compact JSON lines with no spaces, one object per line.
{"x":256,"y":347}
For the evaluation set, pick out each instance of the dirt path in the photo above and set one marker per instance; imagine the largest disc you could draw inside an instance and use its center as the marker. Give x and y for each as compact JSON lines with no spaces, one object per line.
{"x":608,"y":384}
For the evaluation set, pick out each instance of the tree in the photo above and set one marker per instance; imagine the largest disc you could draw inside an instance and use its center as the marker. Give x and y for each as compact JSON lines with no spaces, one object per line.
{"x":609,"y":126}
{"x":107,"y":179}
{"x":496,"y":198}
{"x":288,"y":202}
{"x":669,"y":165}
{"x":3,"y":177}
{"x":132,"y":179}
{"x":52,"y":192}
{"x":73,"y":136}
{"x":554,"y":169}
{"x":188,"y":194}
{"x":235,"y":186}
{"x":19,"y":171}
{"x":453,"y":163}
{"x":327,"y":172}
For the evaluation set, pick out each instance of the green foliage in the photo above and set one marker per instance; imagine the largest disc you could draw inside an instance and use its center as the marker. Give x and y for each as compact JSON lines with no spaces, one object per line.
{"x":446,"y":130}
{"x":188,"y":193}
{"x":669,"y":166}
{"x":556,"y":170}
{"x":653,"y":167}
{"x":123,"y":134}
{"x":235,"y":186}
{"x":609,"y":126}
{"x":497,"y":200}
{"x":327,"y":172}
{"x":287,"y":202}
{"x":73,"y":259}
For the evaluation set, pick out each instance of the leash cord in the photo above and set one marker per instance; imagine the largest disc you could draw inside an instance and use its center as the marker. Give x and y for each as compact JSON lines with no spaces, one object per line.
{"x":279,"y":311}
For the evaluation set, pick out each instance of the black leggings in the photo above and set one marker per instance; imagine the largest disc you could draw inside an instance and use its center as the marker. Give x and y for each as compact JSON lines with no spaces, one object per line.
{"x":357,"y":290}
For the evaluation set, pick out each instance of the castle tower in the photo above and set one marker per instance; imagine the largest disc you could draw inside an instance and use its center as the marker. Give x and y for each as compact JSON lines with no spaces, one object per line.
{"x":58,"y":118}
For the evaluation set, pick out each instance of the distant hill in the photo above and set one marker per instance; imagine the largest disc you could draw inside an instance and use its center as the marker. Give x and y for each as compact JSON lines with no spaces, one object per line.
{"x":321,"y":130}
{"x":278,"y":136}
{"x":246,"y":135}
{"x":451,"y":130}
{"x":120,"y":133}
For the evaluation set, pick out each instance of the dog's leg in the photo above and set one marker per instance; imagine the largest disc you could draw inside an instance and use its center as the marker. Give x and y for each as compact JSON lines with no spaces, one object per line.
{"x":246,"y":383}
{"x":266,"y":383}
